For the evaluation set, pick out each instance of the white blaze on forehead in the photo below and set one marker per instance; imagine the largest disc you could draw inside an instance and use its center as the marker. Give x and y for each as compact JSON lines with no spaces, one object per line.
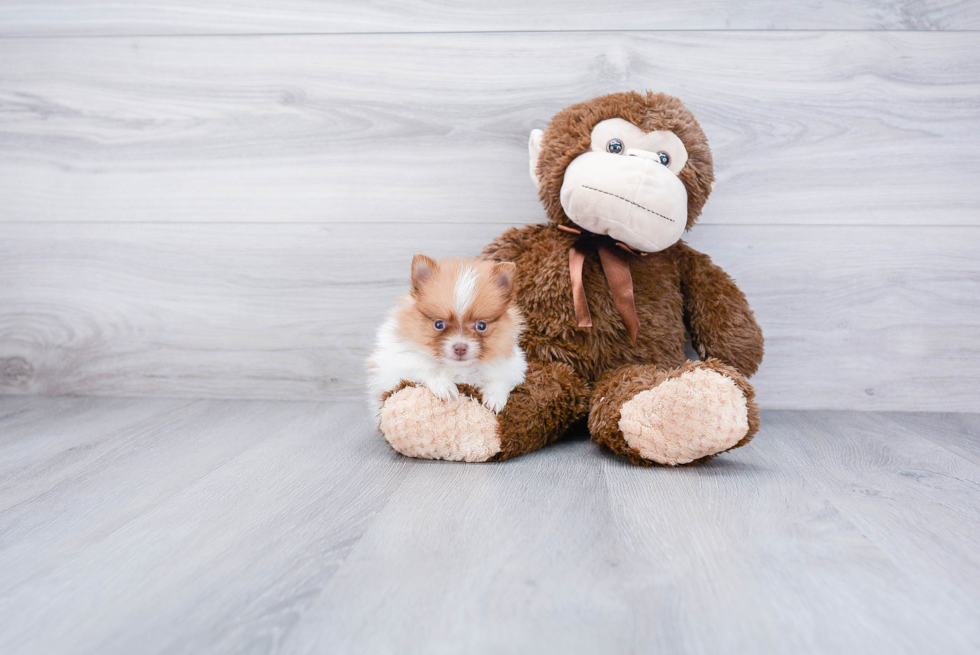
{"x":464,"y":291}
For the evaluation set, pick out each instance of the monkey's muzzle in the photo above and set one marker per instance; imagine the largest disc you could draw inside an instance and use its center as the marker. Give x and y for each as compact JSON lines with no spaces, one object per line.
{"x":636,"y":200}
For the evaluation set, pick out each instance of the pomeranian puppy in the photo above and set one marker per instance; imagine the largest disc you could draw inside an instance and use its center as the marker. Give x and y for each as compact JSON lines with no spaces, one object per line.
{"x":458,"y":325}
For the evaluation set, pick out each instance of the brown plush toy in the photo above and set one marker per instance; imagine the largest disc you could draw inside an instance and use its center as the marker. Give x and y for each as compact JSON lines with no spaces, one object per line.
{"x":608,"y":292}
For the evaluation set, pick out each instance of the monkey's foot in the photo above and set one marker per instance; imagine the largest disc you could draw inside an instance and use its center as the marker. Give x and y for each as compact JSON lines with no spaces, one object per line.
{"x":675,"y":417}
{"x":694,"y":415}
{"x":418,"y":424}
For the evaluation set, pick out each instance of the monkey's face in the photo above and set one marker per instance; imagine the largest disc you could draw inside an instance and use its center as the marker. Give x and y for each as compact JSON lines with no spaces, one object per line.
{"x":618,"y":165}
{"x":626,"y":186}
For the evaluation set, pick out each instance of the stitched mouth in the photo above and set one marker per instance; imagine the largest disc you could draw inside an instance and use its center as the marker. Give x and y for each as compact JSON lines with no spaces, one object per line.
{"x":630,"y":202}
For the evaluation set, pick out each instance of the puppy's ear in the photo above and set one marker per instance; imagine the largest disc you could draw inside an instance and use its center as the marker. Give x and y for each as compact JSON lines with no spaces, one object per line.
{"x":423,"y":268}
{"x":503,"y":276}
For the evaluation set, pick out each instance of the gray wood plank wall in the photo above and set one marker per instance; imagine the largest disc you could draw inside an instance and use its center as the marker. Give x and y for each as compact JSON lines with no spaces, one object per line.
{"x":88,"y":17}
{"x":191,"y":208}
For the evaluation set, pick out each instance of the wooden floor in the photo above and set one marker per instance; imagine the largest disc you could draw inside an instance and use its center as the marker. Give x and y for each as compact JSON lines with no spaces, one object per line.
{"x":198,"y":526}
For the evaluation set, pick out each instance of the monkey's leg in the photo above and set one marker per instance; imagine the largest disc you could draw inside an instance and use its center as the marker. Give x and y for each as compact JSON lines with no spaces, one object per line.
{"x":673,"y":417}
{"x":538,"y":412}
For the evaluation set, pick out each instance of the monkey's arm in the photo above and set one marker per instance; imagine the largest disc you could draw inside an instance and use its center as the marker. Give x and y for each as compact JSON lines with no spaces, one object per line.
{"x":717,"y":314}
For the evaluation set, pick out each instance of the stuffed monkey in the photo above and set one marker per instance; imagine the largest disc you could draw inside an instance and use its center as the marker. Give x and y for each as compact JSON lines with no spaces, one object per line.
{"x":609,"y":294}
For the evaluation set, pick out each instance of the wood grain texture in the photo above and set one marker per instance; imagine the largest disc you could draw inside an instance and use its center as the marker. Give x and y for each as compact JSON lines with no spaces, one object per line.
{"x":45,"y":442}
{"x":63,"y":17}
{"x":258,"y":501}
{"x":886,"y":478}
{"x":854,"y":317}
{"x":606,"y":557}
{"x":255,"y":526}
{"x":958,"y":433}
{"x":807,"y":128}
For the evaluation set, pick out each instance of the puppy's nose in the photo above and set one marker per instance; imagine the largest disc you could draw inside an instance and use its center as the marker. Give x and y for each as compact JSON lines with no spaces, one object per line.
{"x":459,"y":349}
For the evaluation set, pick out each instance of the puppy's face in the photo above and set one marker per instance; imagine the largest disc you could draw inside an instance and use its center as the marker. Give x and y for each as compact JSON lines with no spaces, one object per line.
{"x":462,"y":311}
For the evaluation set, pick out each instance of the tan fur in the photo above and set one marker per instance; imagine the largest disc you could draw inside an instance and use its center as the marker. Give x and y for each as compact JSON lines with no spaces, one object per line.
{"x":568,"y":135}
{"x":577,"y":373}
{"x":658,"y":422}
{"x":620,"y":386}
{"x":418,"y":424}
{"x":433,"y":295}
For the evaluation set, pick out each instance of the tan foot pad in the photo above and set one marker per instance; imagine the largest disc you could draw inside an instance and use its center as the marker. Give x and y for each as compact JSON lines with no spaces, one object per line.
{"x":696,"y":414}
{"x":418,"y":424}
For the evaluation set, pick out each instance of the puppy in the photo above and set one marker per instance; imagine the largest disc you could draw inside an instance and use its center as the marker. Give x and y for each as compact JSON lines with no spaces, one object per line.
{"x":458,"y":325}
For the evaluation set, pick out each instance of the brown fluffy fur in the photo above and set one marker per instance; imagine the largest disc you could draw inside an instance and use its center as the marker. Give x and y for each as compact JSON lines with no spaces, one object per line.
{"x":577,"y":373}
{"x":674,"y":289}
{"x":620,"y":385}
{"x":569,"y":133}
{"x":542,"y":409}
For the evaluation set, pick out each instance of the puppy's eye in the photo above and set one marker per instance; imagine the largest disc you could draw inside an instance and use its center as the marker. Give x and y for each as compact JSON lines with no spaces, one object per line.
{"x":439,"y":325}
{"x":615,"y":146}
{"x":481,"y":326}
{"x":664,"y":158}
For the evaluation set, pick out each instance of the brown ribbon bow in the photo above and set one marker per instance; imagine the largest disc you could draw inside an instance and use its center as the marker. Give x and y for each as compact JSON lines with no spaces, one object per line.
{"x":615,"y":265}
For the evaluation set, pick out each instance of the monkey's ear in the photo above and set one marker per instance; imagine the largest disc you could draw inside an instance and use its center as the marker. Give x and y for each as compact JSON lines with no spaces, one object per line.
{"x":503,"y":276}
{"x":534,"y":151}
{"x":423,"y":268}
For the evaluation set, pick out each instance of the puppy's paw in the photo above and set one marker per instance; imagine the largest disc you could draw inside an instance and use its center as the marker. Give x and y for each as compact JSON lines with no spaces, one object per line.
{"x":443,"y":389}
{"x":495,"y":399}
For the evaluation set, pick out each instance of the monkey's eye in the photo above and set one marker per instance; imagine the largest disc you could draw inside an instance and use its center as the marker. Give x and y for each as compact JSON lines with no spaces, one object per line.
{"x":439,"y":325}
{"x":615,"y":146}
{"x":481,"y":326}
{"x":664,"y":158}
